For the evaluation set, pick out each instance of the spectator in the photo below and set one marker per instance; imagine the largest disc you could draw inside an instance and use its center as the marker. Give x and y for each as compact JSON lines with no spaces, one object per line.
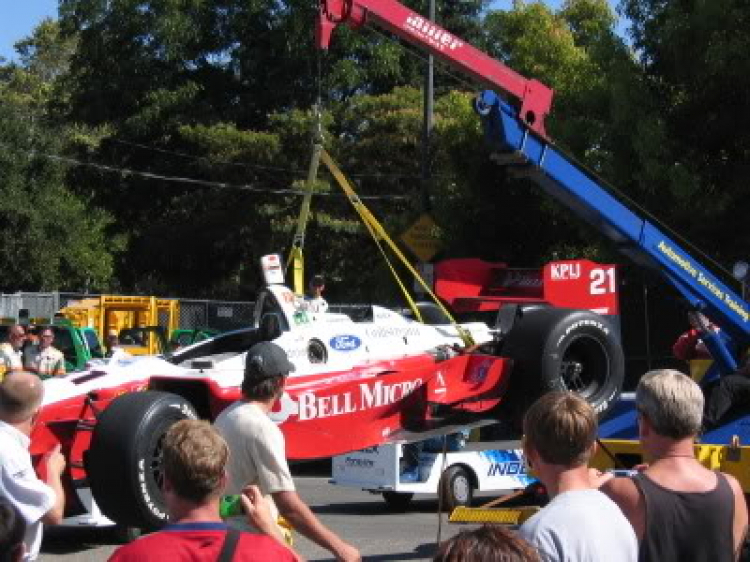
{"x":689,"y":345}
{"x":724,"y":394}
{"x":489,"y":543}
{"x":580,"y":523}
{"x":44,"y":359}
{"x":112,"y":343}
{"x":12,"y":530}
{"x":195,"y":460}
{"x":680,"y":510}
{"x":315,"y":300}
{"x":11,"y":352}
{"x":38,"y":502}
{"x":257,"y":446}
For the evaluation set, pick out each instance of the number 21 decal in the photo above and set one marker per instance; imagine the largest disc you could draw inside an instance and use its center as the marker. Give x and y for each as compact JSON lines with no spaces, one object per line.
{"x":602,"y":281}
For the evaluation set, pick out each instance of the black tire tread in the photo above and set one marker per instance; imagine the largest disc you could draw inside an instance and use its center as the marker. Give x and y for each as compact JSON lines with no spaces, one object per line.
{"x":112,"y":457}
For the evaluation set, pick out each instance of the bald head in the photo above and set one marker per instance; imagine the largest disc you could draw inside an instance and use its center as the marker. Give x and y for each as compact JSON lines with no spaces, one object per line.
{"x":20,"y":396}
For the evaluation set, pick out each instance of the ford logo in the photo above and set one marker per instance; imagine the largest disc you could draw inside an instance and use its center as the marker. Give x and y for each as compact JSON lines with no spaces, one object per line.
{"x":345,"y":343}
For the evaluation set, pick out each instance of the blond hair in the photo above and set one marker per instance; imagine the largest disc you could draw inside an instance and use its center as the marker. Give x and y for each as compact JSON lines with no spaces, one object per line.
{"x":195,"y":460}
{"x":561,"y":427}
{"x":672,"y":403}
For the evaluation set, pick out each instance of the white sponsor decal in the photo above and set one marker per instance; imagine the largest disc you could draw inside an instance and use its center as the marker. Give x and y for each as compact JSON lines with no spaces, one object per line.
{"x":149,"y":501}
{"x":392,"y":331}
{"x":431,"y":33}
{"x":565,"y":271}
{"x":575,"y":325}
{"x":309,"y":406}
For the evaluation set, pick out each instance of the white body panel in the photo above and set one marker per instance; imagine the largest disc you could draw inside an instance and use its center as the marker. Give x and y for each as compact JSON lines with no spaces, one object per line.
{"x":378,"y":469}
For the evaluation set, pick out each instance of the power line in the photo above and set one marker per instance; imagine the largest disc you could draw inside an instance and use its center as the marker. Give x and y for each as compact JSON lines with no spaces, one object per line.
{"x":263,"y":167}
{"x":195,"y":181}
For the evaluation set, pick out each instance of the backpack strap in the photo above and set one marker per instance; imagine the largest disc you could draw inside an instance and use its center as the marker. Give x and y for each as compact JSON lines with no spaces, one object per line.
{"x":231,"y":539}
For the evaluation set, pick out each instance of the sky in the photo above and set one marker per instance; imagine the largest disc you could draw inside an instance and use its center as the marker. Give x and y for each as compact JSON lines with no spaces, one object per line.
{"x":19,"y":17}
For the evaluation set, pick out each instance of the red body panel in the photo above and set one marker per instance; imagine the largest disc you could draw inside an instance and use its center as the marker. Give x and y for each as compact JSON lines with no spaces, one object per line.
{"x":474,"y":285}
{"x":333,"y":413}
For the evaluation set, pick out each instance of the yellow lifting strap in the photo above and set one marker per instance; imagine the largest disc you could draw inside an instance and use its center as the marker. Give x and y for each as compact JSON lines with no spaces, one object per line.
{"x":296,"y":255}
{"x":378,"y":233}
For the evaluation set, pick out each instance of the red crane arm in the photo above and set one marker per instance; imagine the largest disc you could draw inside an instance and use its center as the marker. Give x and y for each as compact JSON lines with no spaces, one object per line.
{"x":535,"y":97}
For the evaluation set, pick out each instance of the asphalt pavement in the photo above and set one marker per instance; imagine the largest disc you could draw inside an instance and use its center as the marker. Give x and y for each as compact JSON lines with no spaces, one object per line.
{"x":359,"y":517}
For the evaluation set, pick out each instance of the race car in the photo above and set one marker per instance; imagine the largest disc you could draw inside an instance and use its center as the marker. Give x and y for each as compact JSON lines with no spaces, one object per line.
{"x":384,"y":378}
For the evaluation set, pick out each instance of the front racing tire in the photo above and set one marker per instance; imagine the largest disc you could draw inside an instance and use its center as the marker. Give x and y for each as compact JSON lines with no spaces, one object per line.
{"x":124,"y":462}
{"x":557,"y":349}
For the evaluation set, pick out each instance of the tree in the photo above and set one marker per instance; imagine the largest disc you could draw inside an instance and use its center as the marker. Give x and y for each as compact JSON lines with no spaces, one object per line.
{"x":697,"y":116}
{"x":227,"y":73}
{"x":52,"y":239}
{"x":574,"y":51}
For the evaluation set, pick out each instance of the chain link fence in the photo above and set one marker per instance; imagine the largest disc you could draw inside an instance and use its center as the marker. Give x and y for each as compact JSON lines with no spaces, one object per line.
{"x":193,"y":314}
{"x":216,"y":315}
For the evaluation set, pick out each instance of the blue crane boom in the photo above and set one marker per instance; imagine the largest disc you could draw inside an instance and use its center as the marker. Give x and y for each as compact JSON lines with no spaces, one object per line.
{"x":637,"y":237}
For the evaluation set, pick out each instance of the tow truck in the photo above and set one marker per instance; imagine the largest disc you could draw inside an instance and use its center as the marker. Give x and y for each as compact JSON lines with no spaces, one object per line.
{"x":515,"y":133}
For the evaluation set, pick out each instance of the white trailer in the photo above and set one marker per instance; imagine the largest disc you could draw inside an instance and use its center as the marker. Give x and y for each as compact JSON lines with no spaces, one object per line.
{"x":455,"y":476}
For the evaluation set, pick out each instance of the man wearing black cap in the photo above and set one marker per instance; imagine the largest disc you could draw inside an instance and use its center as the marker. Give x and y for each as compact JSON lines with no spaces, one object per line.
{"x":257,"y":447}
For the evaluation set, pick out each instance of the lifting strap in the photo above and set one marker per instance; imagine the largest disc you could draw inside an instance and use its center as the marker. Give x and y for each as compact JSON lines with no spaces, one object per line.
{"x":296,"y":255}
{"x":379,"y":234}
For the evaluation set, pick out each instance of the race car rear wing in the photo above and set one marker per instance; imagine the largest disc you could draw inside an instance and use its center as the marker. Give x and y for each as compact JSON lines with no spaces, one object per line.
{"x":474,"y":285}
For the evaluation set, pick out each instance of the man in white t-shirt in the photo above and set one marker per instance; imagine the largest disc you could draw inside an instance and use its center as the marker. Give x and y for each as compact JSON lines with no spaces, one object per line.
{"x":580,"y":524}
{"x":257,"y":447}
{"x":39,"y":502}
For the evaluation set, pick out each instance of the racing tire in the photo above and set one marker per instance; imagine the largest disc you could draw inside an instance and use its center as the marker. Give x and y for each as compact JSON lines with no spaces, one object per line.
{"x":564,"y":350}
{"x":398,"y":501}
{"x":456,"y":488}
{"x":123,"y":463}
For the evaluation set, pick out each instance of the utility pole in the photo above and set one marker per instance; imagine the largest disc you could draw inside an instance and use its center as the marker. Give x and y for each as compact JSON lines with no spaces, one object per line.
{"x":428,"y":123}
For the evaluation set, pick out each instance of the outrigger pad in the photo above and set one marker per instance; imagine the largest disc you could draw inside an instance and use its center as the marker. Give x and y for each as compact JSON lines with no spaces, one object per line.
{"x":501,"y":515}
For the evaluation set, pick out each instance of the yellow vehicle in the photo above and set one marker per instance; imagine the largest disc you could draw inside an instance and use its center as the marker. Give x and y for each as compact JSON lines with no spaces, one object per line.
{"x":141,"y":323}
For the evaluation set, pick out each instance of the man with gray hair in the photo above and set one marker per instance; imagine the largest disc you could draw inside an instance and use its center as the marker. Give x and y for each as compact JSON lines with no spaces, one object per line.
{"x":679,"y":509}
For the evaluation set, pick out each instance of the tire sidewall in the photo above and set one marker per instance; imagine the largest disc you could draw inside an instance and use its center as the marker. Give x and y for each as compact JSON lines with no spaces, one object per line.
{"x":151,"y":498}
{"x":120,"y":462}
{"x":594,"y":328}
{"x":537,"y":344}
{"x":453,"y":477}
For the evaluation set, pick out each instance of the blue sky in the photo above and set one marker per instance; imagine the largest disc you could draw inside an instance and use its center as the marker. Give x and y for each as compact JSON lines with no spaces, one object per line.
{"x":19,"y":17}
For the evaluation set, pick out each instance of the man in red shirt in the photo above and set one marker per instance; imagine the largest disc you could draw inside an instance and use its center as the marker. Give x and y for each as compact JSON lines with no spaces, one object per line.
{"x":195,"y":458}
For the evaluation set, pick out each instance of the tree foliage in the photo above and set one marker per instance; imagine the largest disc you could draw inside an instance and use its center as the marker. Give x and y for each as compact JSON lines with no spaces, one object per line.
{"x":696,"y":75}
{"x":52,"y":238}
{"x":194,"y":121}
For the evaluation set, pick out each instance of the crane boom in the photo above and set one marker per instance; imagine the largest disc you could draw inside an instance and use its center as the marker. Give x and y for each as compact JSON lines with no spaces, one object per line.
{"x":535,"y":98}
{"x":517,"y":138}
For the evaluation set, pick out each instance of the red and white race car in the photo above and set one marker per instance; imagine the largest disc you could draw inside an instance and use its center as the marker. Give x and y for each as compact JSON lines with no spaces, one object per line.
{"x":382,"y":378}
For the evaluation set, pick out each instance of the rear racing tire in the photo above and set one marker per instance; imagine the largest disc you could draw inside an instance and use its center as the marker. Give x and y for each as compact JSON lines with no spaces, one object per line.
{"x":557,"y":349}
{"x":123,"y":463}
{"x":456,"y":488}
